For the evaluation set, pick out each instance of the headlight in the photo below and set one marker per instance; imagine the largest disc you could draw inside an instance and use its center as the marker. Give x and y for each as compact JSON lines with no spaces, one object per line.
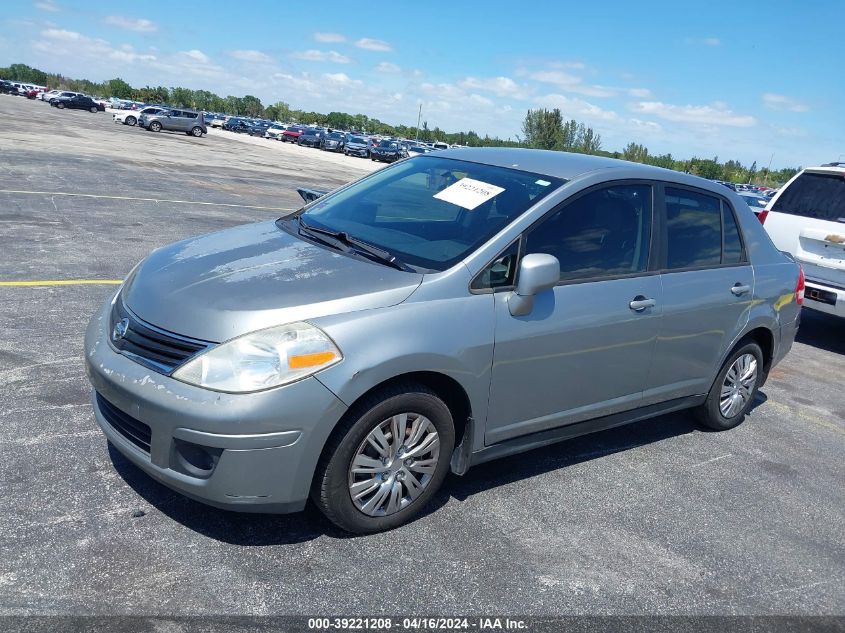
{"x":261,"y":360}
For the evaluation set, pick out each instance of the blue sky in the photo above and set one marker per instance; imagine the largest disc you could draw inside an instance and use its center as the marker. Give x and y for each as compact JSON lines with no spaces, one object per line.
{"x":743,"y":80}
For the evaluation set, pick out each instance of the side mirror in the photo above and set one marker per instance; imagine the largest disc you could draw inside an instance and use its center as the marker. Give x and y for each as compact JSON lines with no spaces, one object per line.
{"x":537,"y":272}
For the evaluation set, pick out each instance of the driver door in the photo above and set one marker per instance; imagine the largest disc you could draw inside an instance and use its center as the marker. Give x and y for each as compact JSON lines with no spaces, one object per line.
{"x":585,"y":350}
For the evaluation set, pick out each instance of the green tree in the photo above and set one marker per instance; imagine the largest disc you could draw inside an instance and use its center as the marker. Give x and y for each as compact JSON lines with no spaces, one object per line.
{"x":118,"y":88}
{"x":543,"y":128}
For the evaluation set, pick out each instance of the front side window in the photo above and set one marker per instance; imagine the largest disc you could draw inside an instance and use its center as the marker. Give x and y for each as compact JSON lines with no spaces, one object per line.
{"x":694,"y":229}
{"x":501,"y":272}
{"x":429,"y":212}
{"x":604,"y":233}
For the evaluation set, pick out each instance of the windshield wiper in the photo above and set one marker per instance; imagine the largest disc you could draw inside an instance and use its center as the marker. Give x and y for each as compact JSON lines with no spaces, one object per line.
{"x":357,"y":244}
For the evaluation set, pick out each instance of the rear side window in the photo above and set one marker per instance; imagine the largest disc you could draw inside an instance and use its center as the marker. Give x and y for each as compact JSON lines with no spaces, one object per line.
{"x":694,"y":229}
{"x":732,"y":250}
{"x":813,"y":195}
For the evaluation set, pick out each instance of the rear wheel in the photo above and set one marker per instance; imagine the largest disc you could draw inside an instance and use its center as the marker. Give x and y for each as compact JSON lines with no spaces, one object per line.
{"x":386,"y":460}
{"x":155,"y":126}
{"x":734,"y":389}
{"x":130,"y":120}
{"x":196,"y":131}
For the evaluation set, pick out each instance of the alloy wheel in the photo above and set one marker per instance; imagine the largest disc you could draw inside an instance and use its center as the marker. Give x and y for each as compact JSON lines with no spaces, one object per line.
{"x":394,"y":464}
{"x":738,"y":385}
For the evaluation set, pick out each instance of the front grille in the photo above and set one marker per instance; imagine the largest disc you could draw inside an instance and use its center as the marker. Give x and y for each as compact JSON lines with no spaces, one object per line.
{"x":133,"y":430}
{"x":153,"y":347}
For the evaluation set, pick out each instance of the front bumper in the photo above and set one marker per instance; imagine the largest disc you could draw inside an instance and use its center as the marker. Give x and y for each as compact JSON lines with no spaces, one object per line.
{"x":265,"y":446}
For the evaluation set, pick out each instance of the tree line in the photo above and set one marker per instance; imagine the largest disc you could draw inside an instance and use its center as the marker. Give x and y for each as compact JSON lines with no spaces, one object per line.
{"x":541,"y":128}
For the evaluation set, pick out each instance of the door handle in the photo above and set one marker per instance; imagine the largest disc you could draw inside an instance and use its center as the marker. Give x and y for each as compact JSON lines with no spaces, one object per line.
{"x":740,"y":289}
{"x":640,"y":303}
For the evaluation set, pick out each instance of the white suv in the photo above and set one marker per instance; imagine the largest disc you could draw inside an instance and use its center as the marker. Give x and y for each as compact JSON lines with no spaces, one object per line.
{"x":807,"y":219}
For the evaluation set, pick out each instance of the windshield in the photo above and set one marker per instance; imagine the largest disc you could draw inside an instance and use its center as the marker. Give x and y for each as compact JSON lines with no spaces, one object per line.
{"x":358,"y":139}
{"x":430,"y":212}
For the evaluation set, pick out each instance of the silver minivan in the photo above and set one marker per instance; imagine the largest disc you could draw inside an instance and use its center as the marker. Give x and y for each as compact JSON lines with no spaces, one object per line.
{"x":450,"y":309}
{"x":187,"y":121}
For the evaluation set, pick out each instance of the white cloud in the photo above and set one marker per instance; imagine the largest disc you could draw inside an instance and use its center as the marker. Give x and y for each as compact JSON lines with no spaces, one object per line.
{"x":329,"y":37}
{"x":646,"y":126}
{"x":61,"y":42}
{"x":47,"y":5}
{"x":341,"y":79}
{"x":500,"y":86}
{"x":63,"y":35}
{"x":478,"y":100}
{"x":715,"y":114}
{"x":577,"y":108}
{"x":388,"y":67}
{"x":373,"y":45}
{"x":251,"y":56}
{"x":639,"y":93}
{"x":313,"y":55}
{"x":782,"y":102}
{"x":571,"y":83}
{"x":196,"y":55}
{"x":139,"y":25}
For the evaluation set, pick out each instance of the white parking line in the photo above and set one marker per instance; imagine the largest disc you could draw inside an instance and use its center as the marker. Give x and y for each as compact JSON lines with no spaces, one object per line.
{"x":91,"y":195}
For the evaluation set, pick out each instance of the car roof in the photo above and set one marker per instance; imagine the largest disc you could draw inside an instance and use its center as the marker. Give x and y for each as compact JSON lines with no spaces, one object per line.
{"x":568,"y":165}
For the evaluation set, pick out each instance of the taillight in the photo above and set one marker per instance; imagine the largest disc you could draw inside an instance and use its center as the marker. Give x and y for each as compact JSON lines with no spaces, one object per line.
{"x":799,"y":288}
{"x":763,"y":215}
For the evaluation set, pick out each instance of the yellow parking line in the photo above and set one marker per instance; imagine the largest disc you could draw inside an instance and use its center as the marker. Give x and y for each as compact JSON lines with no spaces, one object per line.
{"x":64,"y":282}
{"x":91,"y":195}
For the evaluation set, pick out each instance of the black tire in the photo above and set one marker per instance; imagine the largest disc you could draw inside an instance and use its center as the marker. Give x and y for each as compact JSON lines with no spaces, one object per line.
{"x":130,"y":121}
{"x":155,"y":126}
{"x":196,"y":131}
{"x":60,"y":105}
{"x":93,"y":109}
{"x":710,"y":414}
{"x":330,"y":488}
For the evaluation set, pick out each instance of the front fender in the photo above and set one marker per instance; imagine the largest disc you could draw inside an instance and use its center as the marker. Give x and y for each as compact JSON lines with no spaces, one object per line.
{"x":452,"y":337}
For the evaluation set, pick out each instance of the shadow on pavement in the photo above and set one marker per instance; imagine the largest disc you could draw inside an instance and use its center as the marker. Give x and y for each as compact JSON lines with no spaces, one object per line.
{"x":265,"y":529}
{"x":824,"y":331}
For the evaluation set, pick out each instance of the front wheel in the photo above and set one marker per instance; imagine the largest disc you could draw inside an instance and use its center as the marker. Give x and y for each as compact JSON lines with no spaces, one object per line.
{"x":386,"y":460}
{"x":155,"y":126}
{"x":93,"y":109}
{"x":734,"y":389}
{"x":60,"y":105}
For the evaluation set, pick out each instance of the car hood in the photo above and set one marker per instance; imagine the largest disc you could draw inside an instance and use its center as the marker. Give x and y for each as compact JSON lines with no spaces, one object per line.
{"x":221,"y":285}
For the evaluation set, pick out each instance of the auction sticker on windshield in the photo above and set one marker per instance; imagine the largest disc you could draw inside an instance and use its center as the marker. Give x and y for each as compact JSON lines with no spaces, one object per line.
{"x":469,"y":193}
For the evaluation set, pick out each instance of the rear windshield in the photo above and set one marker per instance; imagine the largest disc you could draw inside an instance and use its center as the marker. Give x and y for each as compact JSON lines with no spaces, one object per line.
{"x":813,"y":195}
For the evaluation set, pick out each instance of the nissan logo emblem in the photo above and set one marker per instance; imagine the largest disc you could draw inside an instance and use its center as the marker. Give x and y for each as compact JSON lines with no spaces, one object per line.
{"x":120,"y":329}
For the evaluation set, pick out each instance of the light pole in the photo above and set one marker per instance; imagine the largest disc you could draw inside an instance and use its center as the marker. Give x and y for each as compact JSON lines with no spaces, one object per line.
{"x":419,"y":116}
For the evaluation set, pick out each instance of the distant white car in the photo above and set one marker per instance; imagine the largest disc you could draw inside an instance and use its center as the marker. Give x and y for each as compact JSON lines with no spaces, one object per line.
{"x":806,"y":218}
{"x":275,"y":132}
{"x":130,"y":117}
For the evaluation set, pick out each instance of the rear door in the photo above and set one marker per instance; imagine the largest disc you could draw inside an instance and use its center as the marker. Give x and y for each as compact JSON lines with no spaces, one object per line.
{"x":807,"y":219}
{"x":708,"y":289}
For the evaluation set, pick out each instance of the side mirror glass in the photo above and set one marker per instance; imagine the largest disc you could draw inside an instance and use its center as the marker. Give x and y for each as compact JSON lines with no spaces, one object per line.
{"x":537,"y":272}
